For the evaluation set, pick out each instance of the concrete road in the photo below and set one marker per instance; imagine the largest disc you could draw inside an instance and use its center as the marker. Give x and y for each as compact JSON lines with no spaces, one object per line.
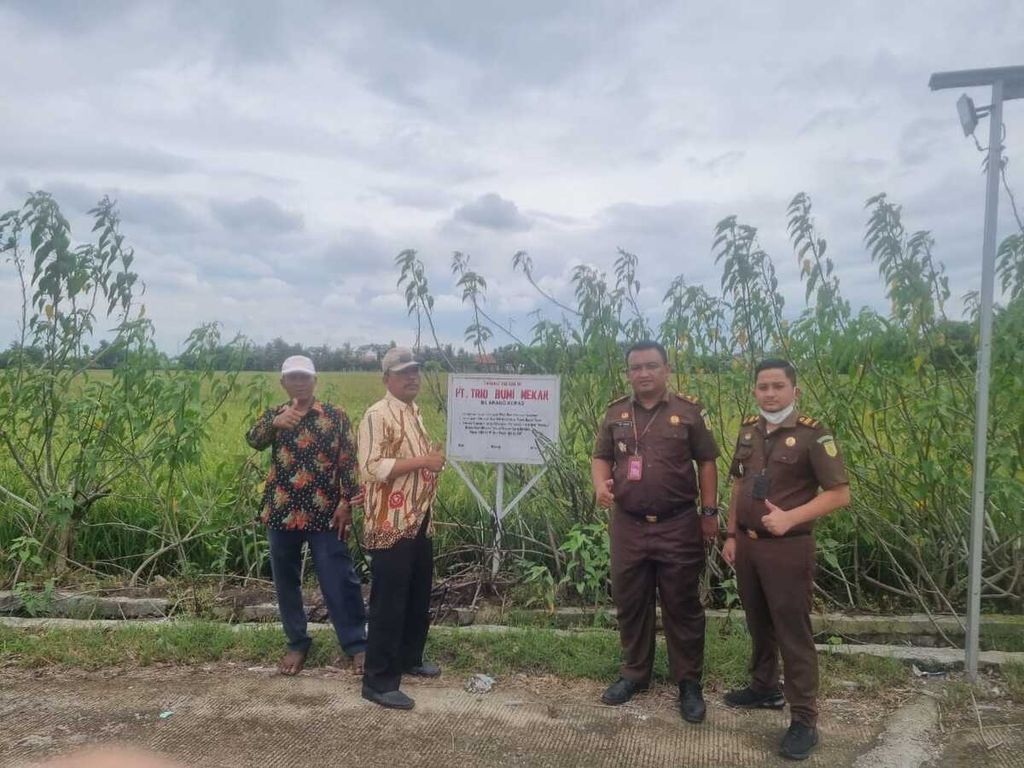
{"x":227,"y":715}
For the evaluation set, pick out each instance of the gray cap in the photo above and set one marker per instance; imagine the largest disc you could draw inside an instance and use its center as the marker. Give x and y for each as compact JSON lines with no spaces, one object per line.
{"x":398,"y":359}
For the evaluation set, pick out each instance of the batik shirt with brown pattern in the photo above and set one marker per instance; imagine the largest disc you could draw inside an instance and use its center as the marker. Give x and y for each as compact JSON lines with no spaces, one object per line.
{"x":395,"y":507}
{"x":312,"y":467}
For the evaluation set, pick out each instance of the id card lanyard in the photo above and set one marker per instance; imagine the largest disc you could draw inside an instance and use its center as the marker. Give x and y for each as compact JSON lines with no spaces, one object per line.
{"x":635,"y":464}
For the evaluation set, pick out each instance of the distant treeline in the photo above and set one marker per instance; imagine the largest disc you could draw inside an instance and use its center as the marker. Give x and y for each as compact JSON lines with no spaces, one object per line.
{"x":269,"y":356}
{"x":892,"y":345}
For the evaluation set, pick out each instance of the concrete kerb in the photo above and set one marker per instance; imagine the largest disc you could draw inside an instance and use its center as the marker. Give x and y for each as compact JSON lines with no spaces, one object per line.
{"x":910,"y":739}
{"x":73,"y":605}
{"x":928,"y":659}
{"x":895,"y":628}
{"x":914,"y":629}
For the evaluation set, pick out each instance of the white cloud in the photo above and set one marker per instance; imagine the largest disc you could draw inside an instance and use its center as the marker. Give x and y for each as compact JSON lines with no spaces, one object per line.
{"x":268,"y":170}
{"x":388,"y":301}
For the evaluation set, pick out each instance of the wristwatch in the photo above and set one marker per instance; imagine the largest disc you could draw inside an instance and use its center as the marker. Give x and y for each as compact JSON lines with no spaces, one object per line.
{"x":709,"y":511}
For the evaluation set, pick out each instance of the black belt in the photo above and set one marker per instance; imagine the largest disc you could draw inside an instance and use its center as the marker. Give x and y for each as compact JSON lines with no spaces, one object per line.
{"x":760,"y":533}
{"x":660,"y":517}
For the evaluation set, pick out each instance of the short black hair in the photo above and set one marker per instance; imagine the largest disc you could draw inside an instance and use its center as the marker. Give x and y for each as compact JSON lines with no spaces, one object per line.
{"x":771,"y":363}
{"x":643,"y":346}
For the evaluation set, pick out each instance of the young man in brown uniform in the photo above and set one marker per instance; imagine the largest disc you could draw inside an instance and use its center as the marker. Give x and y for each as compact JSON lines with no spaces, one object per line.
{"x":643,"y":467}
{"x":781,"y":461}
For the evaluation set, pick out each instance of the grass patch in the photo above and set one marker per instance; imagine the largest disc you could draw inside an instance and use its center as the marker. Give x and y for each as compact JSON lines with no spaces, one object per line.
{"x":1013,"y":674}
{"x":870,"y":673}
{"x":600,"y":617}
{"x":1008,"y":635}
{"x":188,"y":642}
{"x":591,"y":654}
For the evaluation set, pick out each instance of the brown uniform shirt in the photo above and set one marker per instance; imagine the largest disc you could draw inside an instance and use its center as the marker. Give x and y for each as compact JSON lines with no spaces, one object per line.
{"x":799,"y":456}
{"x":672,"y":435}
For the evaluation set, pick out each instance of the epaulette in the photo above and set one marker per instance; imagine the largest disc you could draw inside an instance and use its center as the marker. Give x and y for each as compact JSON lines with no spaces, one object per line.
{"x":617,"y":400}
{"x":688,"y":398}
{"x":807,"y":421}
{"x":749,"y":421}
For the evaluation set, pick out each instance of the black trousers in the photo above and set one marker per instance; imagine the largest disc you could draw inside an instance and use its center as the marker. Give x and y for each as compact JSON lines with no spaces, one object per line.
{"x":400,"y":581}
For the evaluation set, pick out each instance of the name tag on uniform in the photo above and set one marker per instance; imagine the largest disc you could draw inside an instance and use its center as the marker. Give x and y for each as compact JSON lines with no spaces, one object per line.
{"x":635,"y":468}
{"x":761,"y":488}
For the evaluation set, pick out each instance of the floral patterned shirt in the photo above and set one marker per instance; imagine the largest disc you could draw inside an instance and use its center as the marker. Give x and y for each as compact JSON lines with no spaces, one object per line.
{"x":312,"y":467}
{"x":395,"y":508}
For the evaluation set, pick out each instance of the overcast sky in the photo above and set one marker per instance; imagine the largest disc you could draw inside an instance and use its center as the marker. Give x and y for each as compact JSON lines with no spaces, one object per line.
{"x":271,"y":159}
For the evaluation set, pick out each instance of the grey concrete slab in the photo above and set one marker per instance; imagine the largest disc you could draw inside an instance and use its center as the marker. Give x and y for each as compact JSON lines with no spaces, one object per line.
{"x":234,"y":716}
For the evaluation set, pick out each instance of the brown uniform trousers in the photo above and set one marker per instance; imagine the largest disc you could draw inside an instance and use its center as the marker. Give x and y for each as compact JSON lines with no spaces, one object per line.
{"x":775,"y":576}
{"x":656,"y":543}
{"x":669,"y":556}
{"x":775,"y":579}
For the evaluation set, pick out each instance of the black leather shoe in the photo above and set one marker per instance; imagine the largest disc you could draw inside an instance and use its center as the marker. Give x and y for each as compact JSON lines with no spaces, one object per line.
{"x":799,"y":741}
{"x":621,"y":691}
{"x":424,"y":670}
{"x":691,"y":701}
{"x":389,"y":699}
{"x":748,"y":698}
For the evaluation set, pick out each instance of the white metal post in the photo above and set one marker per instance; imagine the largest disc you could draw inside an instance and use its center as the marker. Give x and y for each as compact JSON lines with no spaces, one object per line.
{"x":988,"y":269}
{"x":499,"y":513}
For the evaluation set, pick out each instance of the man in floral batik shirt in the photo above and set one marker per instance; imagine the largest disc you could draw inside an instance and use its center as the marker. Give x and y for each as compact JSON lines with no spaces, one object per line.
{"x":399,"y":464}
{"x":308,"y":498}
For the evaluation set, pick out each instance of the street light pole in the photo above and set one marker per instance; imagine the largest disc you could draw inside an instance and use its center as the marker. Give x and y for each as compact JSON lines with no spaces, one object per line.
{"x":1007,"y":83}
{"x":988,"y":276}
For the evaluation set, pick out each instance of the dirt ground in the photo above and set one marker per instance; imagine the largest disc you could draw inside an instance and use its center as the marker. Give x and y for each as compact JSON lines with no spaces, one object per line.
{"x":231,"y":715}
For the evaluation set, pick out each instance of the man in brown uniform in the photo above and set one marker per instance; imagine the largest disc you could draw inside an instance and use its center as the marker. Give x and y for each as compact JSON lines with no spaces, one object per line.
{"x":643,"y":467}
{"x":781,"y":460}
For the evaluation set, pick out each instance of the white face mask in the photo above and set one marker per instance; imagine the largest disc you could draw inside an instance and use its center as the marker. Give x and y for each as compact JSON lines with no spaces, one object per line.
{"x":777,"y":417}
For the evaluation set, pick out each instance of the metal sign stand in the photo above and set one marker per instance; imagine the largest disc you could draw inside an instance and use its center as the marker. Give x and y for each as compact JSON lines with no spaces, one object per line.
{"x":500,"y":509}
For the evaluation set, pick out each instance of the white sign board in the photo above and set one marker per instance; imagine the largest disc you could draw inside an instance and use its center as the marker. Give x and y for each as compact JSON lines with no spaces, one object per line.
{"x":495,"y":418}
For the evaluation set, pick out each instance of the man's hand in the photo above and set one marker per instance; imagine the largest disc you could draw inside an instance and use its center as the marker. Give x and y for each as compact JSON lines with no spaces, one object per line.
{"x":434,"y":461}
{"x":342,"y":520}
{"x":605,"y":494}
{"x":777,"y":521}
{"x":709,"y":527}
{"x":729,"y":552}
{"x":289,"y":418}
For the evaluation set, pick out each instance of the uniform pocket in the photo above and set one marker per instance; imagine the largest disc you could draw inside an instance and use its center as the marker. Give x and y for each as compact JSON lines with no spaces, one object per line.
{"x":740,"y":460}
{"x":786,"y":457}
{"x":622,"y":437}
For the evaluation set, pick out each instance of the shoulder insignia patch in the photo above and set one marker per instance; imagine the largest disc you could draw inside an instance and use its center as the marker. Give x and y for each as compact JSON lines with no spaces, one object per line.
{"x":750,"y":420}
{"x":688,"y":398}
{"x":807,"y":421}
{"x":617,"y":400}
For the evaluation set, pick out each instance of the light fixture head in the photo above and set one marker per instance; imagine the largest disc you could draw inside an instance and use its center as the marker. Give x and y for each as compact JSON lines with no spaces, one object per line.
{"x":968,"y":114}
